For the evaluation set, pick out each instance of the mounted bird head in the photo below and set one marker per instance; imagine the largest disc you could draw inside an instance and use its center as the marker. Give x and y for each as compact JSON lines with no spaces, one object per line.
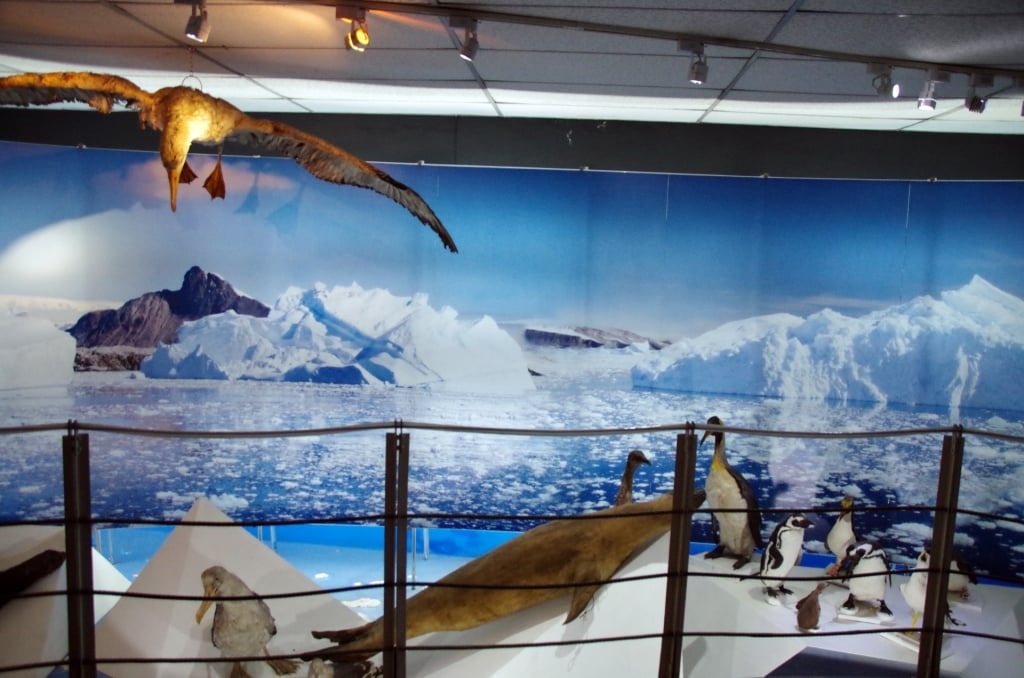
{"x":219,"y":582}
{"x":846,"y":505}
{"x":636,"y":457}
{"x":856,"y":553}
{"x":713,"y":421}
{"x":798,"y":521}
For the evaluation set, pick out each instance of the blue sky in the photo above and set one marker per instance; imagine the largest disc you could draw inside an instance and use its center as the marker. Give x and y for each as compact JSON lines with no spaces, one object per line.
{"x":664,"y":255}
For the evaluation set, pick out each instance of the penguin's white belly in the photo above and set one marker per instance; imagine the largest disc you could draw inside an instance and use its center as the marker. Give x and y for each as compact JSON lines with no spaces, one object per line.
{"x":914,"y":591}
{"x":734,"y":533}
{"x":840,"y":537}
{"x":866,"y":587}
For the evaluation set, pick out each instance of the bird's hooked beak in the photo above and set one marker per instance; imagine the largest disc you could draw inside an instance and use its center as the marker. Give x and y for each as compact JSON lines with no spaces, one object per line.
{"x":209,"y":591}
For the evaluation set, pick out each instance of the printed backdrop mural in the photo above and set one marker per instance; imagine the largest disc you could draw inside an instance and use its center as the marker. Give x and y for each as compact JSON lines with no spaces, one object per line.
{"x":794,"y":304}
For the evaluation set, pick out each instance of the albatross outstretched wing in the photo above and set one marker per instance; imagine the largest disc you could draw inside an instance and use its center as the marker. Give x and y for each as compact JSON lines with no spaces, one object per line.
{"x":96,"y":89}
{"x":330,"y":163}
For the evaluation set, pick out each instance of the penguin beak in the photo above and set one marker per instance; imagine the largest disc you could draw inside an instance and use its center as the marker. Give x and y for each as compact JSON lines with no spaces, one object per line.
{"x":208,"y":593}
{"x":703,"y":438}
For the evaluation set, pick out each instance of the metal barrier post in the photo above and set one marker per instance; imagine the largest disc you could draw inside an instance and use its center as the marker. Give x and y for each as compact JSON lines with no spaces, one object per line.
{"x":396,"y":499}
{"x":678,"y":554}
{"x":929,"y":655}
{"x":401,"y":553}
{"x":78,"y":545}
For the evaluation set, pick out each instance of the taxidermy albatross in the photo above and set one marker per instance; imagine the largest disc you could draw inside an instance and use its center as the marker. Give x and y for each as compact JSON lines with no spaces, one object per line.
{"x":185,"y":115}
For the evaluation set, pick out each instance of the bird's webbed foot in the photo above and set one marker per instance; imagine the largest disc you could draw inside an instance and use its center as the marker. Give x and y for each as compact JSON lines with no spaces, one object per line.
{"x":850,"y":605}
{"x":740,"y":562}
{"x":716,"y":552}
{"x":238,"y":672}
{"x":884,"y":610}
{"x":186,"y":176}
{"x":782,"y":589}
{"x":214,"y":183}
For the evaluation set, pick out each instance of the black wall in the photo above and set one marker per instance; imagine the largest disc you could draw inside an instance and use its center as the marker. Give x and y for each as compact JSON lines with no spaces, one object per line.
{"x":622,"y":146}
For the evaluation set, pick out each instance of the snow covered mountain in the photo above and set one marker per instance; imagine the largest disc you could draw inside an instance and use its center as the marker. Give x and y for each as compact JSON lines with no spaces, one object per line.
{"x":347,"y":335}
{"x":963,"y":349}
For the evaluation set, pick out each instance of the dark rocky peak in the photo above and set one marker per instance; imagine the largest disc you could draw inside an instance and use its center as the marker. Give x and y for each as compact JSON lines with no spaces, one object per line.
{"x":154,"y":317}
{"x":204,"y":294}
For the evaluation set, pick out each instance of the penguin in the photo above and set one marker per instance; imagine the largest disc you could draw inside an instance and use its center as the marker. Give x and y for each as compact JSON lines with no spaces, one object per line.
{"x":808,"y":609}
{"x":960,"y":575}
{"x":625,"y":493}
{"x":842,"y":535}
{"x":866,"y":568}
{"x":782,"y":553}
{"x":738,"y":527}
{"x":915,"y":590}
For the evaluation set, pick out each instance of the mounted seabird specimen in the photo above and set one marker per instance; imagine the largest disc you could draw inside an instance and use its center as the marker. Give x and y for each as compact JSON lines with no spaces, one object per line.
{"x":185,"y":115}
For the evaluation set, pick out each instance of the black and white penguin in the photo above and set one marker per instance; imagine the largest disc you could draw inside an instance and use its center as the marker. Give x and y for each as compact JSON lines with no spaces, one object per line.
{"x":782,"y":553}
{"x":842,"y":534}
{"x":734,"y":511}
{"x":866,"y":569}
{"x":625,"y":493}
{"x":961,"y":573}
{"x":915,"y":590}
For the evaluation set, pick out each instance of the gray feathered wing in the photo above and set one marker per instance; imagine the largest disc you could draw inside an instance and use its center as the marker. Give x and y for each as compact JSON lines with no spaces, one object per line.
{"x":330,"y":163}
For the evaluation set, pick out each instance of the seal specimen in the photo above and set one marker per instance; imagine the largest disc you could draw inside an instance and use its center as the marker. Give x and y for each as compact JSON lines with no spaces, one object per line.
{"x":548,"y":561}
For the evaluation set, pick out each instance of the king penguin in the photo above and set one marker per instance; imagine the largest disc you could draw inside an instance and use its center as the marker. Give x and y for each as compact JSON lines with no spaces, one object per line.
{"x":734,"y":511}
{"x":783,"y":553}
{"x":808,"y":609}
{"x":842,"y":534}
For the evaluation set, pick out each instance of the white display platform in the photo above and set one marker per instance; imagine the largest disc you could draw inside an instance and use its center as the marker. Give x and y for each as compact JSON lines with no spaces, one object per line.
{"x":144,"y":628}
{"x":714,"y":604}
{"x":36,"y":629}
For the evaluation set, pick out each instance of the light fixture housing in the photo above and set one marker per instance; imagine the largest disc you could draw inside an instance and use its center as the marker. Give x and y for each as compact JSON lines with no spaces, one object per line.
{"x":470,"y":42}
{"x":883,"y":83}
{"x":698,"y":72}
{"x":358,"y":36}
{"x":198,"y":26}
{"x":926,"y":100}
{"x":972,"y":101}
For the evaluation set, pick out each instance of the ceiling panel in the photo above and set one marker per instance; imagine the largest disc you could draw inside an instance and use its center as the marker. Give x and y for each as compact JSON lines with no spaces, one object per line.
{"x":772,"y":62}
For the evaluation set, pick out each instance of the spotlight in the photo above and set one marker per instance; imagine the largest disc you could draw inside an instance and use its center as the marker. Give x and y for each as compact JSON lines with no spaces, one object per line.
{"x":470,"y":42}
{"x":358,"y":37}
{"x":198,"y":26}
{"x":973,"y":102}
{"x":926,"y":100}
{"x":883,"y":82}
{"x":698,"y":73}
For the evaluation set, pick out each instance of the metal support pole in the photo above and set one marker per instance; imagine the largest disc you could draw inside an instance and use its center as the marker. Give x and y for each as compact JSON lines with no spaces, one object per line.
{"x":78,"y":545}
{"x":396,"y":500}
{"x":401,"y":553}
{"x":678,"y":554}
{"x":929,"y":655}
{"x":390,"y":473}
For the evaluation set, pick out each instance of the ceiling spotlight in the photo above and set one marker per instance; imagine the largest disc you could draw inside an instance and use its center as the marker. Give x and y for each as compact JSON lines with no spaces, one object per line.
{"x":198,"y":26}
{"x":926,"y":100}
{"x":883,"y":82}
{"x":470,"y":43}
{"x":358,"y":37}
{"x":973,"y":102}
{"x":698,"y":73}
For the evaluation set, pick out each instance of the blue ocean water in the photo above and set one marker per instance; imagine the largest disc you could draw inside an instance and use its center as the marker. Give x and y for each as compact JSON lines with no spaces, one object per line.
{"x":464,"y":474}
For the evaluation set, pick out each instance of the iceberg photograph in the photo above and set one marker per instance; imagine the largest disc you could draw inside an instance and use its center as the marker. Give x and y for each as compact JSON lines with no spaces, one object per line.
{"x":577,"y":301}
